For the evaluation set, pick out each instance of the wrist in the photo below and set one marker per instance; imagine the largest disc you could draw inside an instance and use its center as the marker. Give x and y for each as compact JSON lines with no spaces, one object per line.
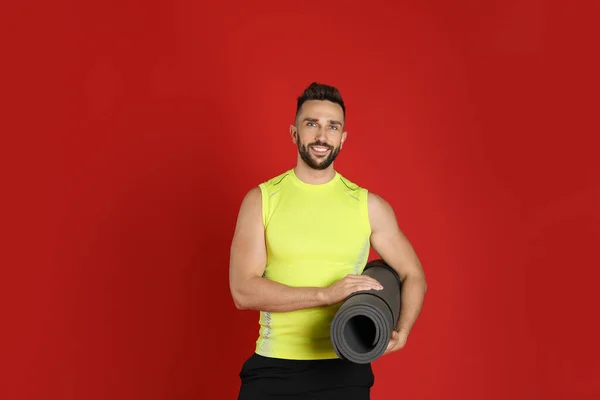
{"x":322,"y":297}
{"x":402,"y":330}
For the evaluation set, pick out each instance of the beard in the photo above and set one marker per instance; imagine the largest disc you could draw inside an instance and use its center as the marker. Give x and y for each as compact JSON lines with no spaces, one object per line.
{"x":317,"y":163}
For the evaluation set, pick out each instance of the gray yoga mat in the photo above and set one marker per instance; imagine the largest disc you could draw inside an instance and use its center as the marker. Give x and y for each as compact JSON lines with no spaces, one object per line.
{"x":362,"y":327}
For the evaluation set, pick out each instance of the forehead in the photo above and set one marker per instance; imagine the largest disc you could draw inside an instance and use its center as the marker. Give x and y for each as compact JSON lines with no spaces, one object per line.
{"x":321,"y":109}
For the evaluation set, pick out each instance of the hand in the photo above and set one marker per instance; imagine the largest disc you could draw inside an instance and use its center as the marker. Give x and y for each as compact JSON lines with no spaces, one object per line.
{"x":397,"y":341}
{"x":348,"y":285}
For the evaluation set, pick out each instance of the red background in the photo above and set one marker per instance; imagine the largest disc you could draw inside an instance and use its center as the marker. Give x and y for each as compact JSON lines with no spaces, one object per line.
{"x":133,"y":129}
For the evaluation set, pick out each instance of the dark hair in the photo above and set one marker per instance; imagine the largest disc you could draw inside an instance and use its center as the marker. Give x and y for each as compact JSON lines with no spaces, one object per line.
{"x":320,"y":91}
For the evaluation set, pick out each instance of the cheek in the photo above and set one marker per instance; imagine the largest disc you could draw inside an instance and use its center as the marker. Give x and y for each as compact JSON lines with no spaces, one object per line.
{"x":305,"y":137}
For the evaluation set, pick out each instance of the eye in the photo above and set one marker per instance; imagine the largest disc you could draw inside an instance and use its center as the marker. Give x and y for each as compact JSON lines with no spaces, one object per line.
{"x":334,"y":127}
{"x":311,"y":124}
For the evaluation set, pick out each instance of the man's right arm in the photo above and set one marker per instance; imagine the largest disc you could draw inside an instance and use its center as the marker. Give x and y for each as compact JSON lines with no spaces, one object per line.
{"x":248,"y":259}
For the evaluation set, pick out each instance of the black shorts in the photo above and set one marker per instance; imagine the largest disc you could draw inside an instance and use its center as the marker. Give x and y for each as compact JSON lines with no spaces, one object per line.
{"x":273,"y":378}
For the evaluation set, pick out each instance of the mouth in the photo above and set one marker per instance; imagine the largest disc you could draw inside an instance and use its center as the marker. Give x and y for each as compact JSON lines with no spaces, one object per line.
{"x":320,"y":151}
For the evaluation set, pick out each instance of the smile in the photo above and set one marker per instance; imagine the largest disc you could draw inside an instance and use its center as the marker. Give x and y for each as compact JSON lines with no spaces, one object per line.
{"x":320,"y":150}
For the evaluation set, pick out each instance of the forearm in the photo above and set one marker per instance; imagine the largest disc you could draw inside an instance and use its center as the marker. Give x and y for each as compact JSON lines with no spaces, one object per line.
{"x":261,"y":294}
{"x":413,"y":294}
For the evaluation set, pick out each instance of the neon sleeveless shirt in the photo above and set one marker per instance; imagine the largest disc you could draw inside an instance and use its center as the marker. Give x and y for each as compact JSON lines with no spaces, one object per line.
{"x":315,"y":235}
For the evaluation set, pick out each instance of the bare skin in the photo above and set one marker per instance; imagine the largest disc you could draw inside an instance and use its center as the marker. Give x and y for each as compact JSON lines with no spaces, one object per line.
{"x":248,"y":257}
{"x":321,"y":122}
{"x":320,"y":125}
{"x":394,"y":248}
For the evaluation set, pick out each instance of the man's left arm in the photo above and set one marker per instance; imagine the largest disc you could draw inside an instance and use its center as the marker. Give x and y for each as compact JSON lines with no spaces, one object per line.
{"x":394,"y":248}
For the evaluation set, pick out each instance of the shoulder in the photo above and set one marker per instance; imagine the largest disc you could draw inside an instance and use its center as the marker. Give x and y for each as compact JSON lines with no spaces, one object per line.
{"x":265,"y":188}
{"x":276,"y":180}
{"x":255,"y":193}
{"x":381,"y":213}
{"x":348,"y":183}
{"x":353,"y":188}
{"x":376,"y":202}
{"x":275,"y":183}
{"x":379,"y":209}
{"x":256,"y":200}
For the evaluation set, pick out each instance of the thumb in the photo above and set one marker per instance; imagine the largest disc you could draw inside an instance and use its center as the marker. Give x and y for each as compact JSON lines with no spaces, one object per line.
{"x":390,"y":344}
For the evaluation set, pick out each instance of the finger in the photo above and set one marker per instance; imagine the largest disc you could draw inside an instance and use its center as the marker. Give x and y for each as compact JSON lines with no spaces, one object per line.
{"x":357,"y":288}
{"x":363,"y":278}
{"x":390,"y":346}
{"x":375,"y":285}
{"x":373,"y":282}
{"x":365,"y":286}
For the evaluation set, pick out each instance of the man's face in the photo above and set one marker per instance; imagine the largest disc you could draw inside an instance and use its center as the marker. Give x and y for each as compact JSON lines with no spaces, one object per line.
{"x":319,"y":133}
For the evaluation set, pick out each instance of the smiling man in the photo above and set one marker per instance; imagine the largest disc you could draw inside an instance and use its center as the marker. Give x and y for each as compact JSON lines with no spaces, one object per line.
{"x":301,"y":242}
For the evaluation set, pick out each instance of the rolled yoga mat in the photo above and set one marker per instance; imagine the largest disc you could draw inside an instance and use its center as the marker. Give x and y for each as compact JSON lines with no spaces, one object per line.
{"x":362,"y":327}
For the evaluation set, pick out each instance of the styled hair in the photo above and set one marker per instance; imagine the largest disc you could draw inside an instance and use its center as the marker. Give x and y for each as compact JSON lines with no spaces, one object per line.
{"x":320,"y":91}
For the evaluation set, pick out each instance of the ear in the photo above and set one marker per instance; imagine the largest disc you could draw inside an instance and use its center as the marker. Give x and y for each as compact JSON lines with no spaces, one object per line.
{"x":294,"y":133}
{"x":344,"y":134}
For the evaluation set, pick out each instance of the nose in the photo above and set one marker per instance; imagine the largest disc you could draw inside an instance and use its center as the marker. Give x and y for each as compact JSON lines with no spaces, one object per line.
{"x":320,"y":135}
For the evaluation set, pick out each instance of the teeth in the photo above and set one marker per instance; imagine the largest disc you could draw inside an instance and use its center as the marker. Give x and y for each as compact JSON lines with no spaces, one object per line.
{"x":320,"y":148}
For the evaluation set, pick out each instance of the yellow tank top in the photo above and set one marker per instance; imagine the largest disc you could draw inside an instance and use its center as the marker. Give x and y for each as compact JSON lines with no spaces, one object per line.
{"x":315,"y":235}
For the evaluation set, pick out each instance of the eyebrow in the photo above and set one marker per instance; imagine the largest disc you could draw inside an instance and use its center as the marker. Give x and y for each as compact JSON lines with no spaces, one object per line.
{"x":331,"y":121}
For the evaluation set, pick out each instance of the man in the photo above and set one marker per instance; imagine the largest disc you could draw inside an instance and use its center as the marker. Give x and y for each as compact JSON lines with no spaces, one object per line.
{"x":300,"y":245}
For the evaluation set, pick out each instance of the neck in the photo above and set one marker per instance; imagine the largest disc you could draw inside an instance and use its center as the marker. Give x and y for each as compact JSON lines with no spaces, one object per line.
{"x":313,"y":176}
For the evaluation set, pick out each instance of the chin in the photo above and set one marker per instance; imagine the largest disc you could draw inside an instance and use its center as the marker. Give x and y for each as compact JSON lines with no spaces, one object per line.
{"x":320,"y":166}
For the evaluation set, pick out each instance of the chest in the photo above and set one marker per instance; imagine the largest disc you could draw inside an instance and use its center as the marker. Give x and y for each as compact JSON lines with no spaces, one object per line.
{"x":324,"y":228}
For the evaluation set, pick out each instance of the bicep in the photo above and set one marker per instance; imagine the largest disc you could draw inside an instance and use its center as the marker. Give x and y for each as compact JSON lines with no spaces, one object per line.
{"x":389,"y":241}
{"x":248,"y":253}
